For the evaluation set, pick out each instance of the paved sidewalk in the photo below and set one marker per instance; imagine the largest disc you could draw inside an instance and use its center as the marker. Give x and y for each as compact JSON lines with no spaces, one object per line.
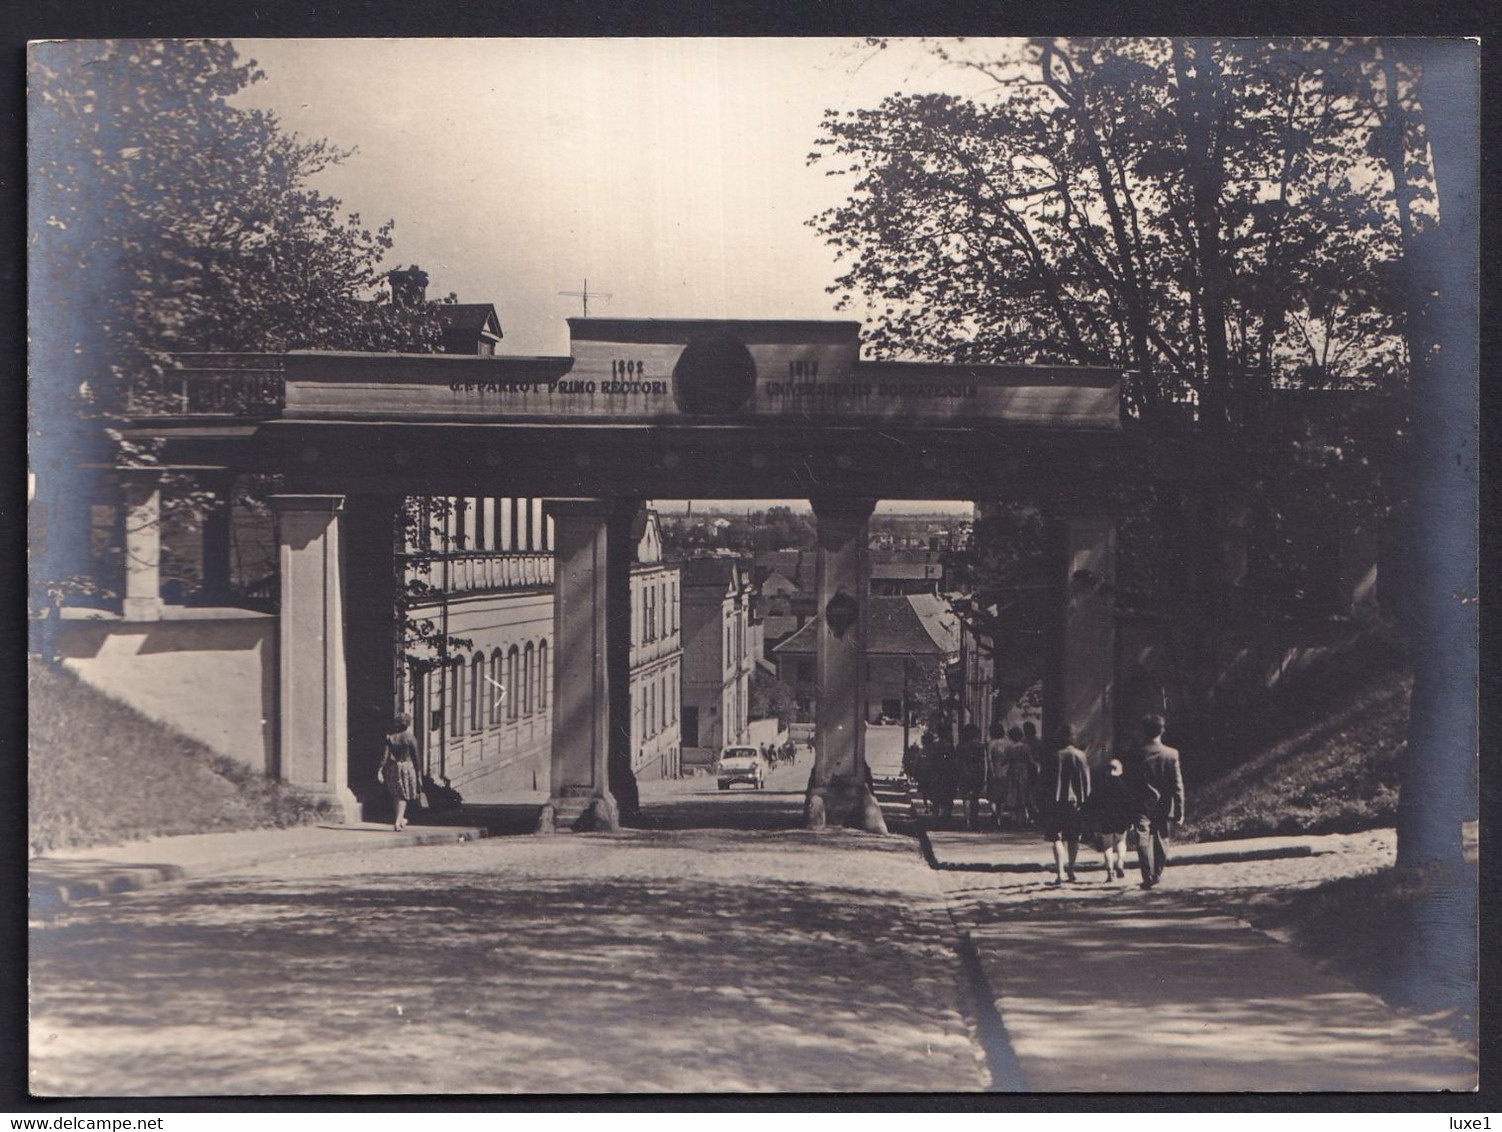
{"x":1023,"y":851}
{"x":1104,"y":987}
{"x":67,"y":875}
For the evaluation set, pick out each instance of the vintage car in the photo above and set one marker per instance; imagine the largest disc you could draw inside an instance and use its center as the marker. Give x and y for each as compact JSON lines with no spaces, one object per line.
{"x":741,"y":764}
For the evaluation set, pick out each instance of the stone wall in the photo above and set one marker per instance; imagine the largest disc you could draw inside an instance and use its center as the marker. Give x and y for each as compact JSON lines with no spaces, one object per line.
{"x":209,"y":673}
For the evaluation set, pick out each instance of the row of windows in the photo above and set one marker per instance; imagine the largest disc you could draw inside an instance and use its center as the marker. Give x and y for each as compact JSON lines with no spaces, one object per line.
{"x":659,"y":610}
{"x":733,"y":639}
{"x":458,"y":523}
{"x":657,"y":705}
{"x":501,"y":690}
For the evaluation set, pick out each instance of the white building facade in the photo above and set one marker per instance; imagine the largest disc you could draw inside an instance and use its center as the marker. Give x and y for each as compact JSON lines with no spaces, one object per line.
{"x":656,"y":655}
{"x":717,"y":652}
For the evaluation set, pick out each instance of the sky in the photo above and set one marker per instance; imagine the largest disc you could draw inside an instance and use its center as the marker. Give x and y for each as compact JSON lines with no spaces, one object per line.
{"x":671,"y":174}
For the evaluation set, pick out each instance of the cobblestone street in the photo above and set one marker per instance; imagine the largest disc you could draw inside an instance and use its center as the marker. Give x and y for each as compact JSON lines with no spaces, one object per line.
{"x":686,"y":960}
{"x":722,"y":948}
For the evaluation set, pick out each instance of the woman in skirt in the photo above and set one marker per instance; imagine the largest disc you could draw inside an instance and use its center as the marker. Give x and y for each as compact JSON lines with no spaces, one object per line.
{"x":399,"y":768}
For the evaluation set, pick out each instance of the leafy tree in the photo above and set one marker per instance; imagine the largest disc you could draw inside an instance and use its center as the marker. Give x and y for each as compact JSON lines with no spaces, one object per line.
{"x":164,"y":218}
{"x":1222,"y":218}
{"x":1179,"y":207}
{"x":771,"y":697}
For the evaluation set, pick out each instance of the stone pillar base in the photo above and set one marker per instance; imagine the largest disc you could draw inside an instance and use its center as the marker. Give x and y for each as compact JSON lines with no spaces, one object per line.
{"x":581,"y":813}
{"x":341,"y":805}
{"x":142,"y":609}
{"x":847,"y":804}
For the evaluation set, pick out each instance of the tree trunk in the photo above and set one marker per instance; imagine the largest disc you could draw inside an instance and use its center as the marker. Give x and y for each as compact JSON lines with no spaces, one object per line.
{"x":1439,"y":784}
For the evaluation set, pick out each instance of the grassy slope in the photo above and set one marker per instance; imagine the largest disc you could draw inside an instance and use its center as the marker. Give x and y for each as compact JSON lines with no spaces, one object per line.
{"x":1337,"y":774}
{"x":1336,"y":770}
{"x":101,"y":773}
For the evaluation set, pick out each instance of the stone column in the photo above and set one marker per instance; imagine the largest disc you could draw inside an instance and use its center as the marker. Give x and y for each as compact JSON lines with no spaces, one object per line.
{"x":372,"y":638}
{"x":141,"y":491}
{"x":837,"y":790}
{"x":580,"y":796}
{"x":618,"y":554}
{"x":311,"y":704}
{"x":1079,"y":684}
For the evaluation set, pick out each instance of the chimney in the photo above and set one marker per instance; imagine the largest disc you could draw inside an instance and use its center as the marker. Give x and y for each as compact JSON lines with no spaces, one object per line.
{"x":409,"y":286}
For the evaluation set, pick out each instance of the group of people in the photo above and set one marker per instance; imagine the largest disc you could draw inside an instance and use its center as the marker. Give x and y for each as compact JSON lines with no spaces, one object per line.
{"x":1140,"y":793}
{"x":1005,"y":771}
{"x":777,"y":755}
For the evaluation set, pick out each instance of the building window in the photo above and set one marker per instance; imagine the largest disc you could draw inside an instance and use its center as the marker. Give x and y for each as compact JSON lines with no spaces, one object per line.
{"x":544,"y":675}
{"x":513,"y":700}
{"x":494,"y":692}
{"x":456,"y":697}
{"x":476,"y":691}
{"x":527,"y":677}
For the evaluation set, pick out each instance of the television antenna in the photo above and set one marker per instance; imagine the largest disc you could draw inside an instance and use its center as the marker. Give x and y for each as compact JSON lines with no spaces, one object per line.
{"x":585,"y":295}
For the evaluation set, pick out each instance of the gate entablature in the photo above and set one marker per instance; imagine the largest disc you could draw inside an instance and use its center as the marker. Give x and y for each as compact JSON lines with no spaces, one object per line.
{"x":661,"y":371}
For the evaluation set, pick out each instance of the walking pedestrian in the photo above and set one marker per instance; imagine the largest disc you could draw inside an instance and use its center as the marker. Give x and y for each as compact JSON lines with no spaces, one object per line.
{"x":1037,"y":803}
{"x":996,"y":774}
{"x":1108,"y":815}
{"x":1067,"y":778}
{"x":1018,"y":777}
{"x":398,"y":771}
{"x":970,"y":771}
{"x":941,"y":778}
{"x":1158,"y":786}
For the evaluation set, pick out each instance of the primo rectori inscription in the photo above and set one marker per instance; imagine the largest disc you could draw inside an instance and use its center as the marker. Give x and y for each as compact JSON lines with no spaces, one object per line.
{"x":667,"y":371}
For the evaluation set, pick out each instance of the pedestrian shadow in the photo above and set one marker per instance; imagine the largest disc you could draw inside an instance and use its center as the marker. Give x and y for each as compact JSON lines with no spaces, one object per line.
{"x":1186,"y":998}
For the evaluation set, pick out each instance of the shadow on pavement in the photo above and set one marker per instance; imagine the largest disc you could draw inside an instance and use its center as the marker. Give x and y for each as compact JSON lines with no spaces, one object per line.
{"x":480,"y":982}
{"x":1184,"y":998}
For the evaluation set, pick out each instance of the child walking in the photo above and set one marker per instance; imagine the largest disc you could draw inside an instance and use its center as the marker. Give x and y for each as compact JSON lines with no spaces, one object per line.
{"x":399,"y":768}
{"x":1109,"y":812}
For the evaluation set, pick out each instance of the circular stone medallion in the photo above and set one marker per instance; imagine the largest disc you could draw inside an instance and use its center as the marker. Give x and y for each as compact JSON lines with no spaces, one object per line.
{"x":714,"y":375}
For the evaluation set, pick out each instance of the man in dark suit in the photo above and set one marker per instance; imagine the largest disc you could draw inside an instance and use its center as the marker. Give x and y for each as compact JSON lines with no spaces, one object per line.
{"x":1159,"y":793}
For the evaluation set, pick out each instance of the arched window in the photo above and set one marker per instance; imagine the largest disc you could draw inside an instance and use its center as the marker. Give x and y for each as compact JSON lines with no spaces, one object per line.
{"x":513,"y":700}
{"x":456,"y":697}
{"x":544,"y":676}
{"x":528,"y":677}
{"x":492,"y":692}
{"x":477,"y":693}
